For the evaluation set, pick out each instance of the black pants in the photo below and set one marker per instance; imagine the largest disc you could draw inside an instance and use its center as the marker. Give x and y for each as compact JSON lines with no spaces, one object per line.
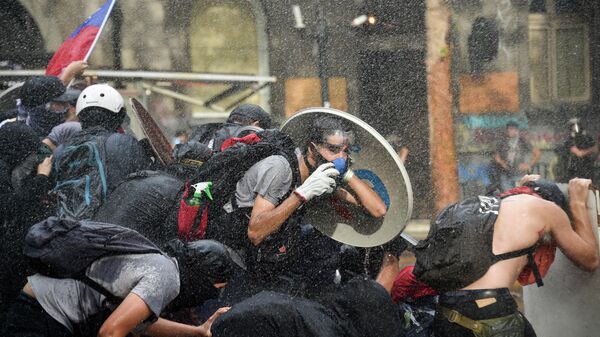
{"x":27,"y":318}
{"x":463,"y":301}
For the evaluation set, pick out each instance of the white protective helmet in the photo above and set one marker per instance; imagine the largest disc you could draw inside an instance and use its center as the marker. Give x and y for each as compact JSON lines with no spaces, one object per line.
{"x":100,"y":95}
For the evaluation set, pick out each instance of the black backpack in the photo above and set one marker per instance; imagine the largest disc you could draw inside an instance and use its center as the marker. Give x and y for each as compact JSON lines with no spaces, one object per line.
{"x":214,"y":134}
{"x":221,"y":219}
{"x":80,"y":170}
{"x":64,"y":248}
{"x":458,"y":248}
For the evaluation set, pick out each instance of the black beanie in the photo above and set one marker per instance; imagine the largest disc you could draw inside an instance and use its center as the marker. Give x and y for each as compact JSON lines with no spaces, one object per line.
{"x":251,"y":112}
{"x":41,"y":90}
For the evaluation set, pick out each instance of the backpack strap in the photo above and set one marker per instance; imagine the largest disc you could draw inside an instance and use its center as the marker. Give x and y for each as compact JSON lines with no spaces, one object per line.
{"x":94,"y":285}
{"x":530,"y":261}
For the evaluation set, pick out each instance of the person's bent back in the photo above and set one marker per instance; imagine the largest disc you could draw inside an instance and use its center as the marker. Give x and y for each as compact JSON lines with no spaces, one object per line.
{"x":98,"y":157}
{"x":531,"y":221}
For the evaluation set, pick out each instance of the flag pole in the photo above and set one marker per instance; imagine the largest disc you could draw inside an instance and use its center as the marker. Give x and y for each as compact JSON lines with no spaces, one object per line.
{"x":89,"y":52}
{"x":110,"y":8}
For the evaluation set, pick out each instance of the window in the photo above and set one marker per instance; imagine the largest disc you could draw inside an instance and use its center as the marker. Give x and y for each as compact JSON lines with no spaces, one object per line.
{"x":558,"y":56}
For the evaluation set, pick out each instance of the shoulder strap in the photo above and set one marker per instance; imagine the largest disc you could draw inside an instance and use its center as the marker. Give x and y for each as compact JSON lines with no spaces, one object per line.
{"x":516,"y":253}
{"x":530,"y":261}
{"x":94,"y":285}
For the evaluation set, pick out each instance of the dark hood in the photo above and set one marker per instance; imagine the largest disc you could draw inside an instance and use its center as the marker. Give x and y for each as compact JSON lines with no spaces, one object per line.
{"x":368,"y":306}
{"x":17,"y":142}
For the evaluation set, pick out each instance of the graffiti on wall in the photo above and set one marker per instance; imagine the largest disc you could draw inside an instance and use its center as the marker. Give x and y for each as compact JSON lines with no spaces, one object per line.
{"x":476,"y":140}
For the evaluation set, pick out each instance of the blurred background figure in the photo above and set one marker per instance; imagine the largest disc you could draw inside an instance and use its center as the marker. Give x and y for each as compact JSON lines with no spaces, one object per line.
{"x":577,"y":154}
{"x":514,"y":156}
{"x":181,"y":137}
{"x":399,"y":147}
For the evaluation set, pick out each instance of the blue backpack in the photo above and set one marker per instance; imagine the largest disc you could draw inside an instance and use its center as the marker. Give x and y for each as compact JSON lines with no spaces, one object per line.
{"x":80,"y":170}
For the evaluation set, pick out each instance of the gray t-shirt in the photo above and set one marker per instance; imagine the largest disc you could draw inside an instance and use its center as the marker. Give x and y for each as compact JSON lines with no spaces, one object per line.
{"x":153,"y":277}
{"x":270,"y":177}
{"x":64,"y":131}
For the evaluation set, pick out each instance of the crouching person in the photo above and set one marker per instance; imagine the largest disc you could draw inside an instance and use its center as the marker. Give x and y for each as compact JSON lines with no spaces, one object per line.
{"x":478,"y":248}
{"x":124,"y":289}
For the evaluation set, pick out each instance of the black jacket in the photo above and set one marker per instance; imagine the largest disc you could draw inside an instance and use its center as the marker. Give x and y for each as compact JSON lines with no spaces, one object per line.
{"x":20,"y":207}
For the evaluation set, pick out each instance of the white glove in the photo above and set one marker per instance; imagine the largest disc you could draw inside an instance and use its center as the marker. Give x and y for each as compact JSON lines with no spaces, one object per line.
{"x":319,"y":182}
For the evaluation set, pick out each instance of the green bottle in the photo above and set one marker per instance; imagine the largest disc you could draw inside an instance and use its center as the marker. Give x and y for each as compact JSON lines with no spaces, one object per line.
{"x":199,"y":189}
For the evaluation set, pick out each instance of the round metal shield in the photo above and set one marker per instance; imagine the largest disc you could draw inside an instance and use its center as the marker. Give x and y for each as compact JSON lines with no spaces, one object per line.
{"x":373,"y":160}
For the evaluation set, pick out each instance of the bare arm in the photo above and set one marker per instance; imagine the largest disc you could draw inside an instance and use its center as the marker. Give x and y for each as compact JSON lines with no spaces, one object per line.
{"x":266,"y":218}
{"x":48,"y":142}
{"x":367,"y":197}
{"x":585,"y":152}
{"x":535,"y":156}
{"x":165,"y":328}
{"x":390,"y":267}
{"x":74,"y":68}
{"x":131,"y":312}
{"x":500,"y":161}
{"x":578,"y":243}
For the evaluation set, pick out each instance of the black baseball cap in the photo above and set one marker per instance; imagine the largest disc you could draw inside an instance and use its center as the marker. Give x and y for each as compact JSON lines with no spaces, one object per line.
{"x":69,"y":96}
{"x":40,"y":90}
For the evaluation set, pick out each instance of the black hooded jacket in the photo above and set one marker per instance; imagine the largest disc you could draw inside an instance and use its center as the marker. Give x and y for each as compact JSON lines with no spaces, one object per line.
{"x":19,"y":207}
{"x":18,"y":142}
{"x":362,"y":308}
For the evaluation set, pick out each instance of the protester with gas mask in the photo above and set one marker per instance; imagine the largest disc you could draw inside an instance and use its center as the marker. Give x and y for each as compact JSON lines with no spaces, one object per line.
{"x":577,"y":154}
{"x":271,"y":202}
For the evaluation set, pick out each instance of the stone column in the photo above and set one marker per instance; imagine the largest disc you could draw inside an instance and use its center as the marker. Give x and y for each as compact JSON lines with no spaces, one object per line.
{"x":439,"y":99}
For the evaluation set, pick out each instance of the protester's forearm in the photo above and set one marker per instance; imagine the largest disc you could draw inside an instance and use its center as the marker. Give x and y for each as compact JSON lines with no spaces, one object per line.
{"x":581,"y":222}
{"x":535,"y":156}
{"x":585,"y":229}
{"x":589,"y":151}
{"x":499,"y":160}
{"x":165,"y":328}
{"x":367,"y":197}
{"x":263,"y":224}
{"x":390,"y":267}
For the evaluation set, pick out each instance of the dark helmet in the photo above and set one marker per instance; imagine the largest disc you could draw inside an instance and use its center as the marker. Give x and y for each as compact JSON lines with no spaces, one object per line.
{"x":575,"y":125}
{"x":246,"y":114}
{"x":41,"y":90}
